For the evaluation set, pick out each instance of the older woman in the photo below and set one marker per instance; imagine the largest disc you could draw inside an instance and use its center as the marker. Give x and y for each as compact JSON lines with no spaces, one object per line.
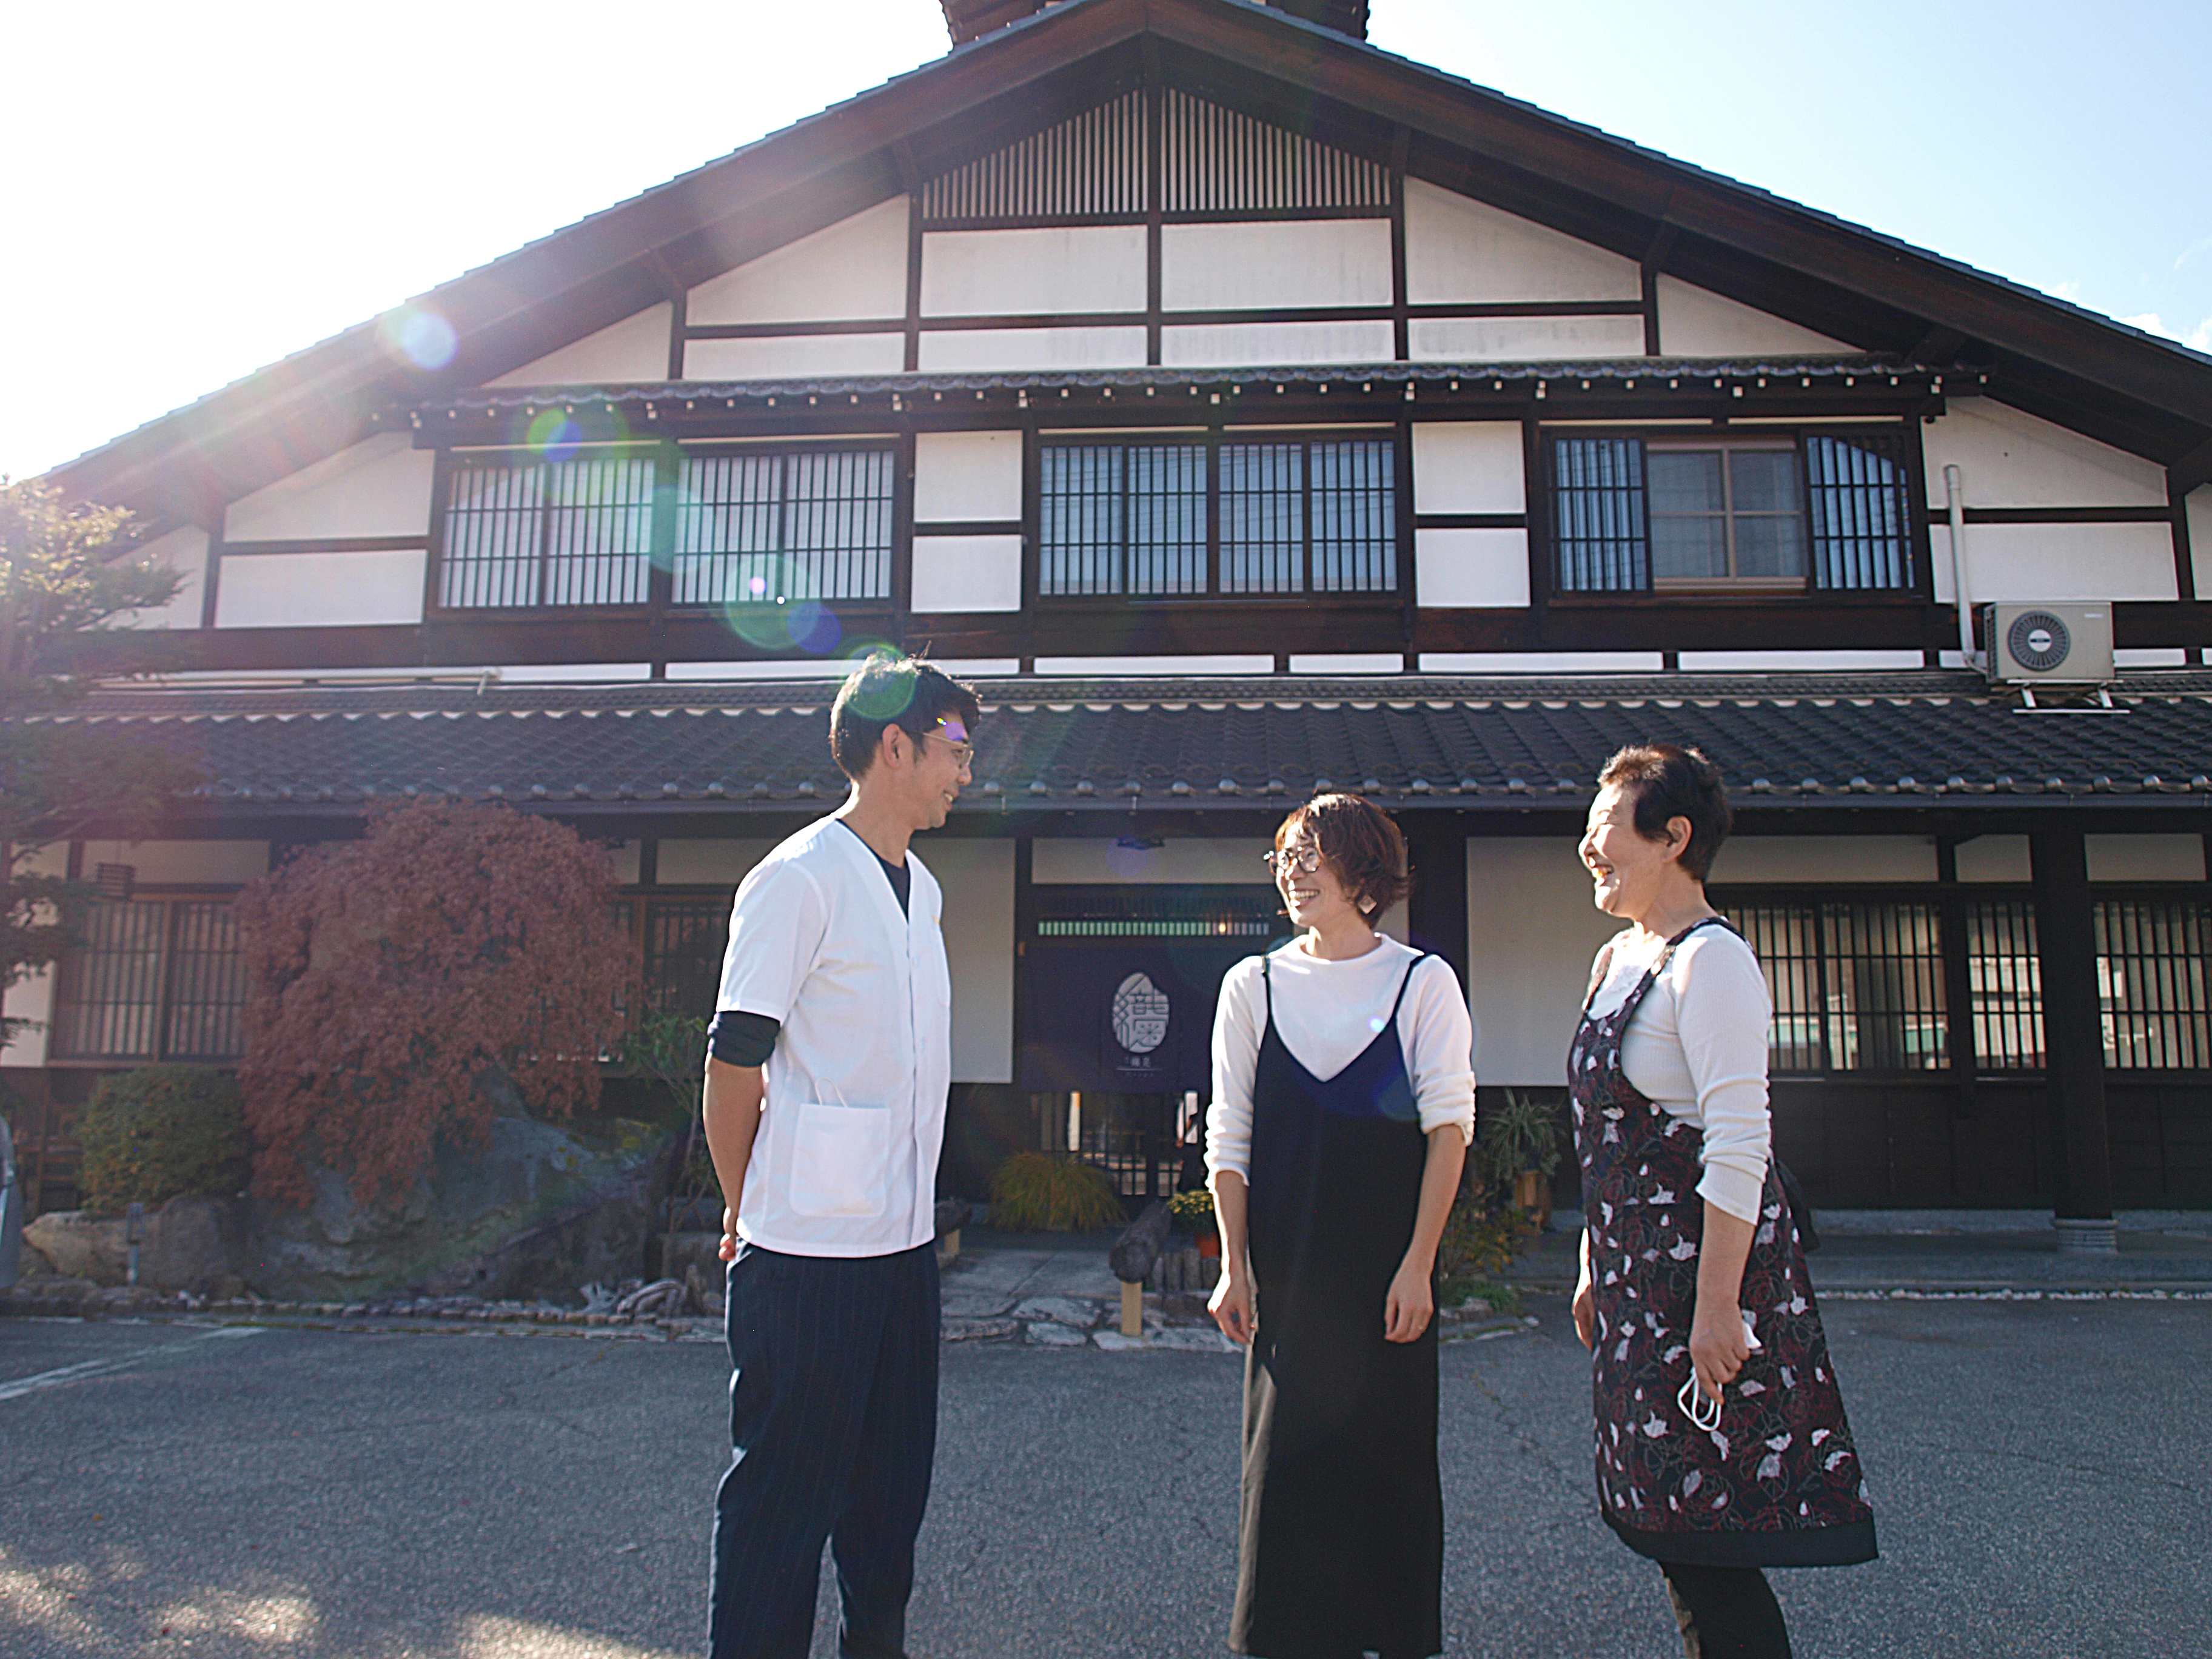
{"x":1343,"y":1106}
{"x":1721,"y":1445}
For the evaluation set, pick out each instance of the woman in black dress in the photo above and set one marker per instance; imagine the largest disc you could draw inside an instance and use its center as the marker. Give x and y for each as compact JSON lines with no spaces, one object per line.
{"x":1343,"y":1106}
{"x":1721,"y":1443}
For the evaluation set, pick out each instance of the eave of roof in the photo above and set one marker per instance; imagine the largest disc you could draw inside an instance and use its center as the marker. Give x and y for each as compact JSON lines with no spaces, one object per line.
{"x":1886,"y":371}
{"x":318,"y":399}
{"x":1849,"y":741}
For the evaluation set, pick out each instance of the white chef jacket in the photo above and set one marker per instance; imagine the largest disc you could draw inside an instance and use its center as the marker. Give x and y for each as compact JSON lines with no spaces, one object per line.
{"x":845,"y":1164}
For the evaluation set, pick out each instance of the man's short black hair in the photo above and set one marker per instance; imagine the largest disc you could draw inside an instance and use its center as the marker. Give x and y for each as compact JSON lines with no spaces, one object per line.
{"x":887,"y":691}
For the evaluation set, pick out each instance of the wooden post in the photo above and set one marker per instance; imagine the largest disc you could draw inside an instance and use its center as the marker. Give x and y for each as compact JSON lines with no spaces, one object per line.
{"x":1132,"y":1309}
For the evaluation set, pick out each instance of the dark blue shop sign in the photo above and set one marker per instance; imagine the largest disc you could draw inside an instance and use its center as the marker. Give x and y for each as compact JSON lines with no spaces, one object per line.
{"x":1130,"y":1016}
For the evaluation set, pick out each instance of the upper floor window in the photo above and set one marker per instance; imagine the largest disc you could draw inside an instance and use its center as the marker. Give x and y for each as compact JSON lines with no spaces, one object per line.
{"x":1150,"y":518}
{"x":525,"y":534}
{"x":1638,"y":514}
{"x":755,"y":526}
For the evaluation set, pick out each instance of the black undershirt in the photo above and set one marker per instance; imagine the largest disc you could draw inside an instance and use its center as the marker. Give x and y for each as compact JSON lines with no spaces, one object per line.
{"x":738,"y":1038}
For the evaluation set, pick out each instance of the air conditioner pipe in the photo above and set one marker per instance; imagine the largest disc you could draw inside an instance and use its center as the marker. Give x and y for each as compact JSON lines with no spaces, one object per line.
{"x":1957,"y":494}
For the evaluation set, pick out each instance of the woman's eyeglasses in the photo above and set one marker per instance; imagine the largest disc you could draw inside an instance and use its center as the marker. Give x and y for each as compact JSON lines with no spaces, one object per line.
{"x":1304,"y":858}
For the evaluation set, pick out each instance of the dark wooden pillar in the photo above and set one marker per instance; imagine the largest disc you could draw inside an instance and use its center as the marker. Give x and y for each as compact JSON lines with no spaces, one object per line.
{"x":1436,"y":912}
{"x":2073,"y":1037}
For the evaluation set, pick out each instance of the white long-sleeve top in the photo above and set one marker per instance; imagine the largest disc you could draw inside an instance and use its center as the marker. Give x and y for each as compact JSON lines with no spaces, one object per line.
{"x":1326,"y":1012}
{"x":1697,"y":1050}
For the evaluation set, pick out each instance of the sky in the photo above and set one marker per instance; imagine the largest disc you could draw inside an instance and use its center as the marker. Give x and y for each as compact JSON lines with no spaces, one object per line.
{"x":191,"y":192}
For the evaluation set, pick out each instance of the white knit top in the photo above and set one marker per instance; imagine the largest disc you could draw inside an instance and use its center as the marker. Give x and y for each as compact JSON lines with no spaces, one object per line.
{"x":1326,"y":1012}
{"x":1697,"y":1050}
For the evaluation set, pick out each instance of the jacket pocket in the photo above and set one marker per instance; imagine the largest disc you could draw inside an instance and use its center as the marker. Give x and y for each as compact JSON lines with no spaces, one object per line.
{"x":839,"y":1157}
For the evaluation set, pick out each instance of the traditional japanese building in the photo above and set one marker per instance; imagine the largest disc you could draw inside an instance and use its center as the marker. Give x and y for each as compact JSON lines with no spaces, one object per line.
{"x":1246,"y":411}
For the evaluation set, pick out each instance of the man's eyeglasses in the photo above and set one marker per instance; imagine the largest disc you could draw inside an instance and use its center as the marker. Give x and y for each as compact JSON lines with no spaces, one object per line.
{"x":953,"y":734}
{"x":963,"y":754}
{"x":1305,"y":859}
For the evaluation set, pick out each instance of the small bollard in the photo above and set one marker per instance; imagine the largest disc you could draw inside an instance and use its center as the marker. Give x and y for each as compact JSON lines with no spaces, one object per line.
{"x":134,"y":1228}
{"x":1132,"y":1258}
{"x":1133,"y":1309}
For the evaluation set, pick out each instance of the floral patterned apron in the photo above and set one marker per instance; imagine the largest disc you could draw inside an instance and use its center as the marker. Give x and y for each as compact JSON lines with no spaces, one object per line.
{"x":1777,"y":1482}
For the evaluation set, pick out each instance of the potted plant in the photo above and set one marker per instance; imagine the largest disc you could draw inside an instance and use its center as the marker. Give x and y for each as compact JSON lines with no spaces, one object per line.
{"x":1194,"y":1211}
{"x":1517,"y":1145}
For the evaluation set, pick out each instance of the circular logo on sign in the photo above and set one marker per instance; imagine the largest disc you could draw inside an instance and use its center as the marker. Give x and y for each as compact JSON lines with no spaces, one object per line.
{"x":1140,"y":1015}
{"x":2038,"y":639}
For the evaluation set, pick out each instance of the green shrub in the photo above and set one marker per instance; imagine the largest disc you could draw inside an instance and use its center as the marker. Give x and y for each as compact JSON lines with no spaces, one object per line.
{"x":1031,"y":1192}
{"x":153,"y":1135}
{"x":1521,"y":1132}
{"x":1478,"y":1244}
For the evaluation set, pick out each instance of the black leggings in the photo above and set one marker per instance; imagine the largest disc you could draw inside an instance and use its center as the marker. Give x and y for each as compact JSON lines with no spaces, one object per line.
{"x":1726,"y":1612}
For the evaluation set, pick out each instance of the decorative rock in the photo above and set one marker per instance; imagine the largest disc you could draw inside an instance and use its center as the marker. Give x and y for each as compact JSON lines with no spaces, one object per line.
{"x":1052,"y":1334}
{"x":1060,"y":1311}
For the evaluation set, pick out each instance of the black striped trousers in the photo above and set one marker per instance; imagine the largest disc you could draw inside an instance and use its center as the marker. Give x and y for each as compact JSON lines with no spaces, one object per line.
{"x":833,"y":1427}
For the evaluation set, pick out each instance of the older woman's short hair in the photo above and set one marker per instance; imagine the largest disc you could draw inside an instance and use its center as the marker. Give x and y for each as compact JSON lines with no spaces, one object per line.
{"x":1667,"y":780}
{"x":1362,"y":845}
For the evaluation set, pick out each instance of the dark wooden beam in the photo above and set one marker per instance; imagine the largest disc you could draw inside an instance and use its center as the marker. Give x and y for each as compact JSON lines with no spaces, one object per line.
{"x":2191,"y":470}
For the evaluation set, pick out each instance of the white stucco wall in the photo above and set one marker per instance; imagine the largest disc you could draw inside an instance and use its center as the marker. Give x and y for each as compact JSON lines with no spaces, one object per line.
{"x":33,"y":999}
{"x":621,"y":354}
{"x":1471,"y":567}
{"x":1360,"y":662}
{"x":721,"y":863}
{"x":2198,"y":508}
{"x":794,"y":357}
{"x":1773,"y":662}
{"x":184,"y":863}
{"x":978,"y":879}
{"x":1994,"y":858}
{"x":1518,"y":339}
{"x":1460,"y":249}
{"x":854,"y":270}
{"x":1318,"y":262}
{"x":319,"y":589}
{"x":986,"y":351}
{"x":2145,"y":858}
{"x":379,"y":487}
{"x":1468,"y":466}
{"x":1824,"y":859}
{"x":2007,"y":458}
{"x":184,"y":551}
{"x":966,"y":573}
{"x":1274,"y":345}
{"x":1531,"y":931}
{"x":2057,"y":561}
{"x":1539,"y":662}
{"x":1055,"y":861}
{"x":1112,"y":667}
{"x":967,"y":476}
{"x":1046,"y":272}
{"x":1695,"y":322}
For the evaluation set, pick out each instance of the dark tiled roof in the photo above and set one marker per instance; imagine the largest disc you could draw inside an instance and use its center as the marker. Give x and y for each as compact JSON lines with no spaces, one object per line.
{"x":1858,"y":740}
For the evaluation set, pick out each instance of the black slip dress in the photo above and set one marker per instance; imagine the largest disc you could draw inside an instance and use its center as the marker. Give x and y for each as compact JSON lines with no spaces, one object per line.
{"x":1340,"y":1550}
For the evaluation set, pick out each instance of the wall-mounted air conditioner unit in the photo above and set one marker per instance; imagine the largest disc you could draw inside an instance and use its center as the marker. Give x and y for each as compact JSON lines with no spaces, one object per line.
{"x":2048,"y":644}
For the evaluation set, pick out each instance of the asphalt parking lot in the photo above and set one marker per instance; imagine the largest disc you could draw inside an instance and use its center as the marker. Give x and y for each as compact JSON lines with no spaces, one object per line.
{"x":2038,"y":1470}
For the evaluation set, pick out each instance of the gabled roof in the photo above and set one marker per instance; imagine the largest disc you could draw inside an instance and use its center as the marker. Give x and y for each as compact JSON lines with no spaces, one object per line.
{"x":2056,"y":359}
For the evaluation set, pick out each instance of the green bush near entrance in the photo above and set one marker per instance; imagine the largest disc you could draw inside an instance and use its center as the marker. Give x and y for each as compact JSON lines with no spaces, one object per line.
{"x":155,"y":1135}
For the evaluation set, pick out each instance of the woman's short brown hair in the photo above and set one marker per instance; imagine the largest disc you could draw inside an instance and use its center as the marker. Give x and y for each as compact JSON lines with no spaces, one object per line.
{"x":1666,"y":780}
{"x":1362,"y":845}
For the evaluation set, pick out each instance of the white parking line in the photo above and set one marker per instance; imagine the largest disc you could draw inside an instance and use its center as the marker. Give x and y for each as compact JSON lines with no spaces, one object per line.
{"x":90,"y":1368}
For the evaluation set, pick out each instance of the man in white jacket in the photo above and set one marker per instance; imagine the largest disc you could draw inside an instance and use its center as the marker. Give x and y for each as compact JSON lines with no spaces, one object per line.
{"x":829,"y":1057}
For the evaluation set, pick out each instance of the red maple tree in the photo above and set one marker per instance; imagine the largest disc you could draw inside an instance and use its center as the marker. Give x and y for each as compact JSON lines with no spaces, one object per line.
{"x":405,"y":987}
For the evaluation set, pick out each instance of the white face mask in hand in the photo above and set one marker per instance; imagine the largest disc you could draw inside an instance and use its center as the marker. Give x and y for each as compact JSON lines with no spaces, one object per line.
{"x":1703,"y":1410}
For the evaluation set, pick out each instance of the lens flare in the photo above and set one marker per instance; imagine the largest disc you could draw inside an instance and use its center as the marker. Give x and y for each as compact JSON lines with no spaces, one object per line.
{"x":555,"y":435}
{"x":421,"y":336}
